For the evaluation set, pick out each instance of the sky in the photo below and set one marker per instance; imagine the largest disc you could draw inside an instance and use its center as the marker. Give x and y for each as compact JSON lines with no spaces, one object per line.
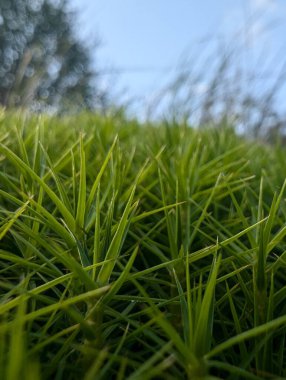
{"x":143,"y":42}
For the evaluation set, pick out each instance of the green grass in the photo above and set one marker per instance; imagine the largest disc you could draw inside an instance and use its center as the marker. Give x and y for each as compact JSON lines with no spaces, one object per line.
{"x":139,"y":252}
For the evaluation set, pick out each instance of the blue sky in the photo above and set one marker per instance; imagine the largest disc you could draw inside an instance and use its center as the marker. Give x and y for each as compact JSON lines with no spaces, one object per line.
{"x":147,"y":39}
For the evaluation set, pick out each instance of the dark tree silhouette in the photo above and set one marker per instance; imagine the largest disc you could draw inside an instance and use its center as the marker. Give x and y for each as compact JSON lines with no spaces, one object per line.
{"x":42,"y":64}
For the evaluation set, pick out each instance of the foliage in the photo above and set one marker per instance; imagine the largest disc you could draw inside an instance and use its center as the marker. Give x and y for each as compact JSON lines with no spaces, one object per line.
{"x":139,"y":253}
{"x":43,"y":64}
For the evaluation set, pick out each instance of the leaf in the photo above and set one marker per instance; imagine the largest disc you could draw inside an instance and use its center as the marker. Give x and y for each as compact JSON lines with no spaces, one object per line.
{"x":25,"y":169}
{"x":117,"y":241}
{"x":6,"y":227}
{"x":80,"y":214}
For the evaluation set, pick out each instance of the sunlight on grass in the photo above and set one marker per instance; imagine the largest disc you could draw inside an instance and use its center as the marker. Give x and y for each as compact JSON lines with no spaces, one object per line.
{"x":139,"y":252}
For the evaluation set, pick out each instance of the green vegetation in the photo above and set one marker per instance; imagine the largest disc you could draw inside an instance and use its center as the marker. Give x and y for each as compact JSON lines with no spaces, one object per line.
{"x":132,"y":252}
{"x":44,"y":65}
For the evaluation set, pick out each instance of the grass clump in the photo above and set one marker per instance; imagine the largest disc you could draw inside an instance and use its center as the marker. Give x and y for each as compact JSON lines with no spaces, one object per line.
{"x":133,"y":252}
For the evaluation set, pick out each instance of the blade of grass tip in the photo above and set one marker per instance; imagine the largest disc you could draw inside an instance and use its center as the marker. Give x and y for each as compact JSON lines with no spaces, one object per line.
{"x":191,"y":162}
{"x":81,"y":249}
{"x":117,"y":241}
{"x":259,"y":271}
{"x":107,"y":228}
{"x":25,"y":169}
{"x":187,"y":222}
{"x":66,"y":259}
{"x":96,"y":244}
{"x":273,"y":211}
{"x":260,"y":214}
{"x":246,"y":335}
{"x":269,"y":224}
{"x":197,"y":300}
{"x":272,"y":214}
{"x":204,"y":212}
{"x":36,"y":222}
{"x":22,"y":147}
{"x":203,"y":332}
{"x":43,"y":215}
{"x":62,"y":191}
{"x":242,"y":218}
{"x":143,"y":173}
{"x":241,"y":233}
{"x":115,"y":286}
{"x":99,"y":175}
{"x":74,"y":180}
{"x":126,"y":193}
{"x":35,"y":252}
{"x":145,"y":214}
{"x":277,"y":239}
{"x":261,"y":278}
{"x":80,"y":214}
{"x":6,"y":227}
{"x":193,"y":257}
{"x":178,"y":227}
{"x":62,"y":161}
{"x":38,"y":158}
{"x":169,"y":221}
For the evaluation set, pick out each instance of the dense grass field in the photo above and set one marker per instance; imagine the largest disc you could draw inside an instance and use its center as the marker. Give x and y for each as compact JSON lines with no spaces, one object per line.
{"x":139,"y":252}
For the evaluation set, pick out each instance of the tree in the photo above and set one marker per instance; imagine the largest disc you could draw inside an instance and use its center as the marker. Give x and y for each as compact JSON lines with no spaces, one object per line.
{"x":42,"y":64}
